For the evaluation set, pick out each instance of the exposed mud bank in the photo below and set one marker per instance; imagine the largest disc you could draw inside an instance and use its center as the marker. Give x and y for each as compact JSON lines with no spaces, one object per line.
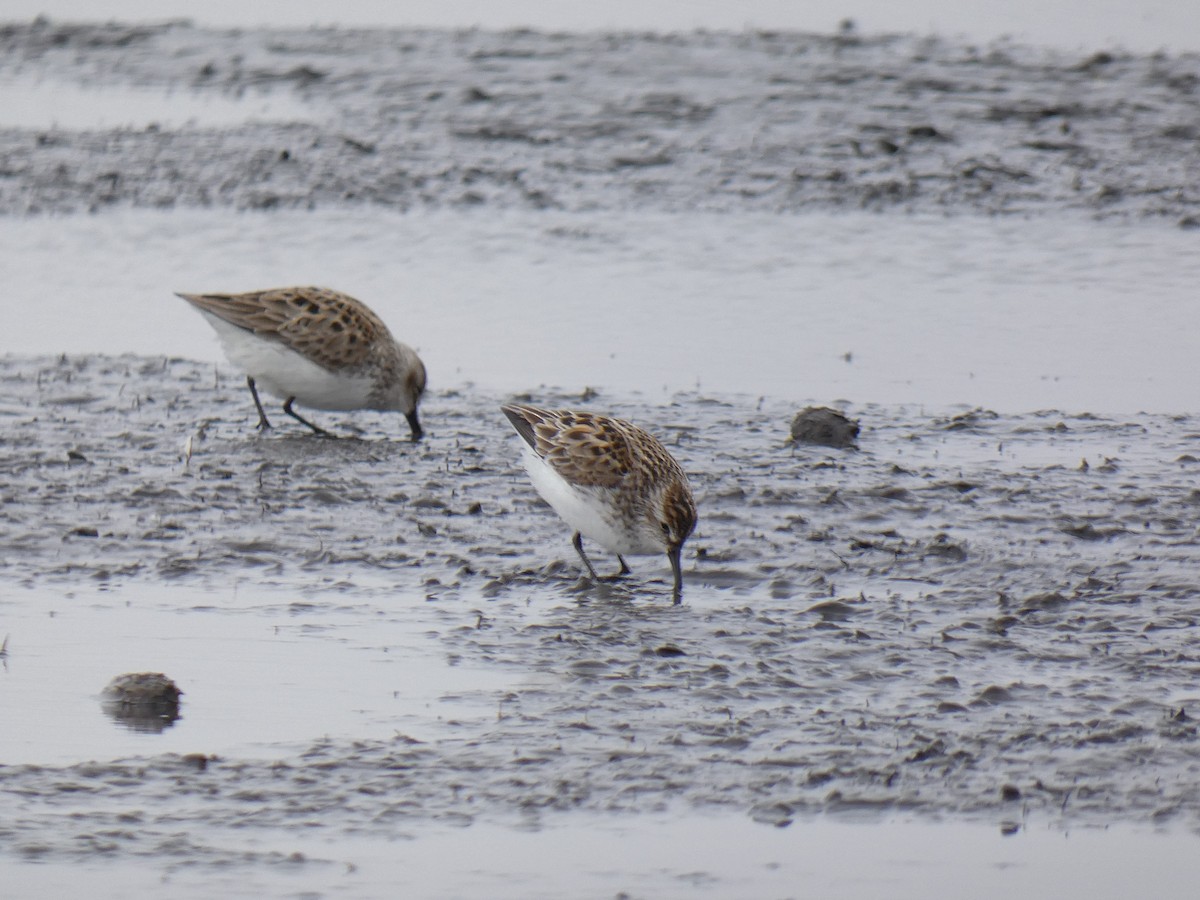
{"x":990,"y":616}
{"x":713,"y":121}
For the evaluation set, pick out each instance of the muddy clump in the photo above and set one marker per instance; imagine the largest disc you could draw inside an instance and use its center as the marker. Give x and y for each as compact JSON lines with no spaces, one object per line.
{"x":824,"y":427}
{"x":142,"y":701}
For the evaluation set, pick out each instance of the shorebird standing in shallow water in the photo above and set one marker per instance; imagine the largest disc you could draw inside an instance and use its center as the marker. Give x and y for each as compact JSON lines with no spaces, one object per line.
{"x":610,"y":481}
{"x":316,"y":347}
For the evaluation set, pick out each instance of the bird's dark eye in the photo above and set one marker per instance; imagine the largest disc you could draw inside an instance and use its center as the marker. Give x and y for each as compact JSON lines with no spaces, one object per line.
{"x":666,"y":528}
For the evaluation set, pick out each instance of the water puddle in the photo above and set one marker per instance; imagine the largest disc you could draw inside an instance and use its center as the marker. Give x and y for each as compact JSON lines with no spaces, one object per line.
{"x":43,"y":105}
{"x":726,"y":857}
{"x":1070,"y":23}
{"x":1015,"y":316}
{"x":261,"y":676}
{"x":693,"y":856}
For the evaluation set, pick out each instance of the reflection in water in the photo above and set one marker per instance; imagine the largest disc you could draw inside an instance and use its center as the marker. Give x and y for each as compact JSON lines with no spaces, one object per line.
{"x":146,"y":702}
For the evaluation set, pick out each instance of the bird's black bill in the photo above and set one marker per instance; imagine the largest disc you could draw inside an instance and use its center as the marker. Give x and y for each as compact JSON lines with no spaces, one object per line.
{"x":415,"y":425}
{"x":673,"y":554}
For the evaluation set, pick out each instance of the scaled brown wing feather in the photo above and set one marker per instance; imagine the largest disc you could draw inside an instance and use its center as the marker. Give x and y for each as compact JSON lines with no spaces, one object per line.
{"x":592,"y":453}
{"x":584,"y":449}
{"x":327,"y":327}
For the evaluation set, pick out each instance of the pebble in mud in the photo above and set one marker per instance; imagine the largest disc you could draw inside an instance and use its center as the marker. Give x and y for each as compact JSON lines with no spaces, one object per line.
{"x":142,"y":701}
{"x":825,"y":427}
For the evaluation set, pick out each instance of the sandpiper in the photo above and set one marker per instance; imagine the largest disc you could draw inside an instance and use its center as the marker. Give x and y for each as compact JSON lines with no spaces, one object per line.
{"x":610,"y":481}
{"x":316,"y":347}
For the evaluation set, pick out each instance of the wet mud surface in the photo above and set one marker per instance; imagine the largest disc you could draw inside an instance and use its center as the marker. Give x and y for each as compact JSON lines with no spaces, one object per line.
{"x":755,"y":121}
{"x":973,"y":615}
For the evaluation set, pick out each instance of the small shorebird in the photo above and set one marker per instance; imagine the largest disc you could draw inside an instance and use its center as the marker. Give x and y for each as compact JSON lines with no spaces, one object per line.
{"x":316,"y":347}
{"x":609,"y":480}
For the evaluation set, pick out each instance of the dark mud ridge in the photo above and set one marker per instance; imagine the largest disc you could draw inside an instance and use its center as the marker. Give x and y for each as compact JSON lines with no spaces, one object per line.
{"x":973,"y":614}
{"x":713,"y":121}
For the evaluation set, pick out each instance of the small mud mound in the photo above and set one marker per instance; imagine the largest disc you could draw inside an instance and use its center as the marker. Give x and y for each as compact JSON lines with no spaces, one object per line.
{"x":825,"y":427}
{"x":142,"y":701}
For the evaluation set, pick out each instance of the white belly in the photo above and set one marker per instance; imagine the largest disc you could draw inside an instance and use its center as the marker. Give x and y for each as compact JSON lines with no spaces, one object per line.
{"x":285,"y":373}
{"x":585,"y":511}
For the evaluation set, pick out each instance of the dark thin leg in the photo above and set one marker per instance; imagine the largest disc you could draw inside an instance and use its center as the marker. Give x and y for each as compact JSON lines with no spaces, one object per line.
{"x":317,"y":429}
{"x":415,"y":424}
{"x":263,"y":422}
{"x":577,"y":540}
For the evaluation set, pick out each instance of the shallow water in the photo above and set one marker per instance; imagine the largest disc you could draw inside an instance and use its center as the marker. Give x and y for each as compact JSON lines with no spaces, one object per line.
{"x":266,"y":672}
{"x":1016,"y":315}
{"x":700,"y":856}
{"x":984,"y":618}
{"x":26,"y":103}
{"x":1152,"y":25}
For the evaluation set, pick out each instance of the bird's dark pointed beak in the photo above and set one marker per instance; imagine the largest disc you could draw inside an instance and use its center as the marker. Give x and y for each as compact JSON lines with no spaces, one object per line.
{"x":673,"y":554}
{"x":415,"y":425}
